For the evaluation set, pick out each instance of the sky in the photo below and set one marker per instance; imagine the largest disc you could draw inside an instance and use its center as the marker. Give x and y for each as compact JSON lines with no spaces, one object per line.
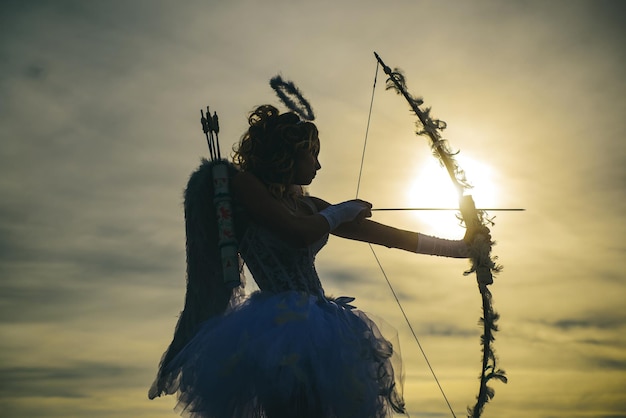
{"x":99,"y":126}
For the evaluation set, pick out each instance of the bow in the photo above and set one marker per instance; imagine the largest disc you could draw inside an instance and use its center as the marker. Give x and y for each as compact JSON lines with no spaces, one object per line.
{"x":482,"y":263}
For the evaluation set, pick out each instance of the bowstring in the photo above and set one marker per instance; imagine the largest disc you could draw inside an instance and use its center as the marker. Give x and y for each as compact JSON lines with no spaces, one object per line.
{"x":367,"y":131}
{"x":380,"y":266}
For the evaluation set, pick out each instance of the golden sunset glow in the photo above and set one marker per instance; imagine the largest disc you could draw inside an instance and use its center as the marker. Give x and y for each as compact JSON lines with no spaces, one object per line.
{"x":99,"y":117}
{"x":432,"y":188}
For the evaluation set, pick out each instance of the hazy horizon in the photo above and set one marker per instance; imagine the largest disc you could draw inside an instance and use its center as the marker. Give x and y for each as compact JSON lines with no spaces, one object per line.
{"x":99,"y":117}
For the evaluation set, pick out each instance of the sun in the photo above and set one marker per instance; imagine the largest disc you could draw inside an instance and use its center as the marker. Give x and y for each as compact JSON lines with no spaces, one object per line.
{"x":432,"y":188}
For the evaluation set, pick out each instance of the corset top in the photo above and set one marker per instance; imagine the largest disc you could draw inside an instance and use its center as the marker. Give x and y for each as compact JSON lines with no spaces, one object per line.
{"x":278,"y":266}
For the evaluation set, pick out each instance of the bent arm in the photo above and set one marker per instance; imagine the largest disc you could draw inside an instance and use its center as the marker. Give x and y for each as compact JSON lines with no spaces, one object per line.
{"x":264,"y":209}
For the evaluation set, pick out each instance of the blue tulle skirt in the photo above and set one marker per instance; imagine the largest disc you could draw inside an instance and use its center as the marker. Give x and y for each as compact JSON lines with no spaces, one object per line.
{"x":290,"y":354}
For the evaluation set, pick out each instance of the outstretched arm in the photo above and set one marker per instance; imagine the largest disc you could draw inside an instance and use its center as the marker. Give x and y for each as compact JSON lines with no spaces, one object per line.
{"x":377,"y":233}
{"x":373,"y":232}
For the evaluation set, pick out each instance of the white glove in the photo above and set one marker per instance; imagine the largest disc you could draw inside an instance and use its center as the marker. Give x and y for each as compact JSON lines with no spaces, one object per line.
{"x":441,"y":247}
{"x":344,"y":212}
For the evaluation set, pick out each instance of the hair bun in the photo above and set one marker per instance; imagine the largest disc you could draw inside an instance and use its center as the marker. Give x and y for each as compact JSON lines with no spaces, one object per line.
{"x":265,"y":119}
{"x":262,"y":115}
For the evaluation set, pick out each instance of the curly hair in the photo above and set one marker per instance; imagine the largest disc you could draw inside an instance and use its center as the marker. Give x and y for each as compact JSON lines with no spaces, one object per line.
{"x":269,"y":146}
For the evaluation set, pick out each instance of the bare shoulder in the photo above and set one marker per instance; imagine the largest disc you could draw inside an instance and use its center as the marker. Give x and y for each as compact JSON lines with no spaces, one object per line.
{"x":256,"y":199}
{"x":248,"y":189}
{"x":244,"y":180}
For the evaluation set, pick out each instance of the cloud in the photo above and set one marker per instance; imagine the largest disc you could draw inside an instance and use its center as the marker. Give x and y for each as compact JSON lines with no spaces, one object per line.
{"x":447,"y":330}
{"x":602,"y":323}
{"x":75,"y":380}
{"x":100,"y":131}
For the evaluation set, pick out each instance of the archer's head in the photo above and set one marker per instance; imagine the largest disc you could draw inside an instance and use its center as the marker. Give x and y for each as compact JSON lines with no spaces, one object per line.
{"x":280,"y":149}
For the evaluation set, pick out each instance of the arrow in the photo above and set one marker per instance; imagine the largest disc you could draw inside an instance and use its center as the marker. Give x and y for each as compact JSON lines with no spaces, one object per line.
{"x":455,"y":209}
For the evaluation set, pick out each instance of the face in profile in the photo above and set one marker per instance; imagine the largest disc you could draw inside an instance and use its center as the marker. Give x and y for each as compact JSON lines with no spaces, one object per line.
{"x":306,"y":165}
